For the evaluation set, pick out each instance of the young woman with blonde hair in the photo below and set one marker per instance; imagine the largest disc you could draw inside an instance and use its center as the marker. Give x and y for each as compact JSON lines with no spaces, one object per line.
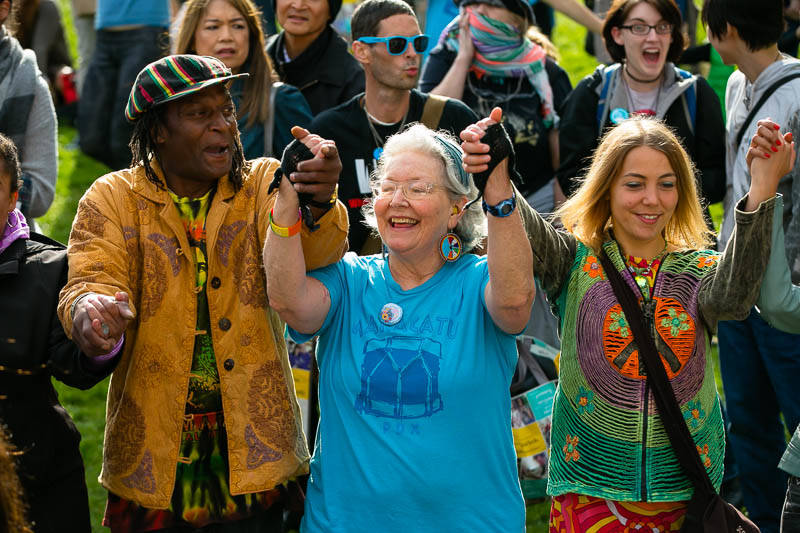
{"x":231,"y":31}
{"x":639,"y":205}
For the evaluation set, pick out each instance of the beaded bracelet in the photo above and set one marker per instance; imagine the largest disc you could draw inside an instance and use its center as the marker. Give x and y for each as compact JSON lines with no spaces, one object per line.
{"x":286,"y":232}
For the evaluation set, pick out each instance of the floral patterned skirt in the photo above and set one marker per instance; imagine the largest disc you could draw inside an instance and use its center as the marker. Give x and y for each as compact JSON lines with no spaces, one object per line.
{"x":576,"y":513}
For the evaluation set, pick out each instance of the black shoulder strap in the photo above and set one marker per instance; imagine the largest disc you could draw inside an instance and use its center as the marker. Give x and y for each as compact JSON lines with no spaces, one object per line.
{"x":771,"y":89}
{"x":668,"y":409}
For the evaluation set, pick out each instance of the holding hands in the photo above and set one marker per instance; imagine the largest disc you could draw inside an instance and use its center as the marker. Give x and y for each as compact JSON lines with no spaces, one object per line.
{"x":313,"y":170}
{"x":489,"y":156}
{"x":99,"y":322}
{"x":771,"y":156}
{"x":317,"y":176}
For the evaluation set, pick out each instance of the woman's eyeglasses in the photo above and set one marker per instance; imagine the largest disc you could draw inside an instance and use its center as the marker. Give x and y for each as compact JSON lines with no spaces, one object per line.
{"x":397,"y":44}
{"x":412,"y":190}
{"x":662,"y":28}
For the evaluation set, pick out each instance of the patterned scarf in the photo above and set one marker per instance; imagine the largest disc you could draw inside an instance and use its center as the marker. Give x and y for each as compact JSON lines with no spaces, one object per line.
{"x":502,"y":50}
{"x":16,"y":228}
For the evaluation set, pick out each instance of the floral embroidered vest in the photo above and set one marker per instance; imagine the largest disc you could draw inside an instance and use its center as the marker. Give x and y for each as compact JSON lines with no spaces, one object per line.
{"x":607,"y":437}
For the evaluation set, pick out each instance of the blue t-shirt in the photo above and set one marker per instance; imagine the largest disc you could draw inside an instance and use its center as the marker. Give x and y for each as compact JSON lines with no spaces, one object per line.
{"x":111,"y":13}
{"x":415,"y":424}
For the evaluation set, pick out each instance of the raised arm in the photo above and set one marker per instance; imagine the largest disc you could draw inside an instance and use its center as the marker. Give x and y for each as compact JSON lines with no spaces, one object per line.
{"x":552,"y":251}
{"x":301,"y":301}
{"x":735,"y":285}
{"x":510,"y":291}
{"x":319,"y":177}
{"x":579,"y":13}
{"x":452,"y":84}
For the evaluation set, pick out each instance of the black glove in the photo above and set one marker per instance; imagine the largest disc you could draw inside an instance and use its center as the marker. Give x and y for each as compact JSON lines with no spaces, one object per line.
{"x":500,"y":147}
{"x":295,"y":152}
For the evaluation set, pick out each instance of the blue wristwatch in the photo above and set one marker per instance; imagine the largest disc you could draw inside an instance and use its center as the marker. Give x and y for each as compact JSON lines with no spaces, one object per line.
{"x":503,"y":209}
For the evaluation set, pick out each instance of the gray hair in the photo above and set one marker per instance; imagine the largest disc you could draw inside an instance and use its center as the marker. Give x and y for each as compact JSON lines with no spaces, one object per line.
{"x":471,"y":228}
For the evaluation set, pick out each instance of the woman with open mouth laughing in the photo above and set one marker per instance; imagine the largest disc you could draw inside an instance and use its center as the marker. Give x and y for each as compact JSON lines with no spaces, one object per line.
{"x":644,"y":37}
{"x":416,"y":349}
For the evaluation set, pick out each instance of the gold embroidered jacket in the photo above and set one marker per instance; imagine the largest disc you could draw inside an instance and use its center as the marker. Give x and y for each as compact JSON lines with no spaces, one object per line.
{"x":127,"y":236}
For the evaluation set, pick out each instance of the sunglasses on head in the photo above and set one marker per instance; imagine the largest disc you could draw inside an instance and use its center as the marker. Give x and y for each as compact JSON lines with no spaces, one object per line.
{"x":397,"y":44}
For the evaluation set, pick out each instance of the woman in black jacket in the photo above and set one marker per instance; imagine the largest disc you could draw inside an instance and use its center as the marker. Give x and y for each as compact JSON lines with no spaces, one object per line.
{"x":644,"y":37}
{"x":34,"y":348}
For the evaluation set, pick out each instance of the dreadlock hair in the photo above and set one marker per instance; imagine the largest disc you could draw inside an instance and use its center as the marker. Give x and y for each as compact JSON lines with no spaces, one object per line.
{"x":144,"y":147}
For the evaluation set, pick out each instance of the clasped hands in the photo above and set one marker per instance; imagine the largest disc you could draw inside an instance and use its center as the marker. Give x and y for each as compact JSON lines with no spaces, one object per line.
{"x":99,"y":322}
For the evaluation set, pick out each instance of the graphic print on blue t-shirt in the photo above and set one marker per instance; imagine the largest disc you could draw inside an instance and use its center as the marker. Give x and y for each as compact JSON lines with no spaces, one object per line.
{"x":420,"y":403}
{"x":400,"y":378}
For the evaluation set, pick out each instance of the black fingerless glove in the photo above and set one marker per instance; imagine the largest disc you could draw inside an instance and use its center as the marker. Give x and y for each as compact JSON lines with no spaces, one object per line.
{"x":295,"y":152}
{"x":500,"y":147}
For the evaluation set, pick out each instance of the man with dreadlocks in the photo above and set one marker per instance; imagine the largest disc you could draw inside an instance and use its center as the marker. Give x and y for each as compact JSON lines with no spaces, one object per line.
{"x":202,"y":425}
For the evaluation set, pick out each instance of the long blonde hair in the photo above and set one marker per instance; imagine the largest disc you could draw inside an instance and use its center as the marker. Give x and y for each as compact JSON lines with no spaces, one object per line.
{"x":255,"y":98}
{"x":587,"y":213}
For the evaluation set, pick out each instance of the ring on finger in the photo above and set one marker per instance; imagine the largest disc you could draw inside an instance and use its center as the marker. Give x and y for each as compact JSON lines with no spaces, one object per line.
{"x":105,"y":329}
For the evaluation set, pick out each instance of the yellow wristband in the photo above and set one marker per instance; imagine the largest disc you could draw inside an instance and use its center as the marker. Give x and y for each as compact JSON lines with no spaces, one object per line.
{"x":286,"y":232}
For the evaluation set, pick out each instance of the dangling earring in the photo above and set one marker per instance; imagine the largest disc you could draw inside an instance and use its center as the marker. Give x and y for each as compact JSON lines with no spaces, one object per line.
{"x":450,"y":247}
{"x":8,"y":220}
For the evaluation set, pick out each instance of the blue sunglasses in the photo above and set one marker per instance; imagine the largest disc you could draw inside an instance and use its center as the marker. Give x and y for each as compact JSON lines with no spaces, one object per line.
{"x":397,"y":44}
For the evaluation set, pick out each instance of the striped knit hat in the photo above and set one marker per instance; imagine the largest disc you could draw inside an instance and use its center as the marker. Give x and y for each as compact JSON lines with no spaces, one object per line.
{"x":173,"y":77}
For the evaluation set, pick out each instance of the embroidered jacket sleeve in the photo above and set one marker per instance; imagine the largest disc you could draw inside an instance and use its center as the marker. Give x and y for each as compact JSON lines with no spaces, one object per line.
{"x":97,"y":254}
{"x":67,"y":363}
{"x":733,"y":286}
{"x":553,"y":250}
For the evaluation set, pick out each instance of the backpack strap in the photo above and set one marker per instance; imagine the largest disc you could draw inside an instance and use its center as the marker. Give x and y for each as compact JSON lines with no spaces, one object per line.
{"x":771,"y":89}
{"x":689,"y":98}
{"x":602,"y":103}
{"x":432,"y":112}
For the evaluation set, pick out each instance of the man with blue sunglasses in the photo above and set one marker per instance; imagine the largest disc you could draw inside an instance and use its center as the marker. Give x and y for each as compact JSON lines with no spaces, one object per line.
{"x":398,"y":44}
{"x":389,"y":45}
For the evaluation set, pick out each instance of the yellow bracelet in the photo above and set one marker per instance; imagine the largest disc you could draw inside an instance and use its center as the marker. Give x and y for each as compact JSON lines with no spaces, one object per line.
{"x":286,"y":232}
